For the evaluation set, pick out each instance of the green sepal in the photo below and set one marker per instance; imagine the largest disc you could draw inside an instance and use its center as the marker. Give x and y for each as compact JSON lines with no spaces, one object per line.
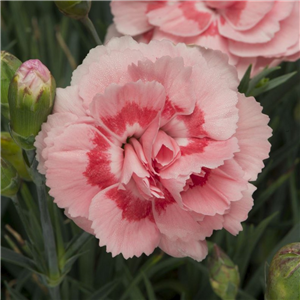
{"x":74,"y":9}
{"x":9,"y":65}
{"x":10,"y":181}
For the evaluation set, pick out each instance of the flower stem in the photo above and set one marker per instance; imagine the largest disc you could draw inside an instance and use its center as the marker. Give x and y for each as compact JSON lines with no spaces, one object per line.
{"x":48,"y":234}
{"x":91,"y":28}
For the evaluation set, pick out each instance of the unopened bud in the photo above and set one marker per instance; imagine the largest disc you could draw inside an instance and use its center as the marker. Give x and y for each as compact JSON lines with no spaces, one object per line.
{"x":223,"y":274}
{"x":74,"y":9}
{"x":11,"y":152}
{"x":10,"y":181}
{"x":31,"y":98}
{"x":284,"y":274}
{"x":9,"y":65}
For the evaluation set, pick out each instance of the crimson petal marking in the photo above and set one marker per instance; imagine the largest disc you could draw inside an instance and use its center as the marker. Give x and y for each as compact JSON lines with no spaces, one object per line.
{"x":128,"y":110}
{"x":122,"y":221}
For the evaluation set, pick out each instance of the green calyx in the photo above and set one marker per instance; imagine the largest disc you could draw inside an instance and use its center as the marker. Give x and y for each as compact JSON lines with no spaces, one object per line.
{"x":28,"y":110}
{"x":9,"y":65}
{"x":10,"y":181}
{"x":74,"y":9}
{"x":284,"y":274}
{"x":223,"y":274}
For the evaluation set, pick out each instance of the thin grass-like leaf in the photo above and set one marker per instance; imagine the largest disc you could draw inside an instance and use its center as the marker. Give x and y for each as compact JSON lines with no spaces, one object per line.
{"x":105,"y":291}
{"x":244,"y":84}
{"x":149,"y":288}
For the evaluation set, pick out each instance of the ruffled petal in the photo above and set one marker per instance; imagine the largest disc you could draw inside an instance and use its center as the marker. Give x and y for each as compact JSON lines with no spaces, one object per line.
{"x":124,"y":223}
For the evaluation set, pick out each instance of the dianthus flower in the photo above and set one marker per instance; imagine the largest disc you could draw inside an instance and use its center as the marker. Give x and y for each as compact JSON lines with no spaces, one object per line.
{"x":152,"y":146}
{"x":253,"y":32}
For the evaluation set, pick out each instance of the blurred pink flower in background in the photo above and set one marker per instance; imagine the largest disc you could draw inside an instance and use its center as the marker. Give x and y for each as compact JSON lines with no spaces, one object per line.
{"x":254,"y":32}
{"x":152,"y":146}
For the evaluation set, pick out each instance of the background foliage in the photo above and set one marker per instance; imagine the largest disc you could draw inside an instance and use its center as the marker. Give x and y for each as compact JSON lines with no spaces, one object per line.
{"x":39,"y":30}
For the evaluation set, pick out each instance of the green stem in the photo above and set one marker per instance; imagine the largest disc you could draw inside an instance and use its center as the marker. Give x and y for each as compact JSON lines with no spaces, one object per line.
{"x":48,"y":234}
{"x":91,"y":28}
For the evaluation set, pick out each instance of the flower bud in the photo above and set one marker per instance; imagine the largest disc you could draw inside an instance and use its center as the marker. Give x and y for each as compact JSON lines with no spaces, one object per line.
{"x":74,"y":9}
{"x":9,"y":65}
{"x":10,"y":181}
{"x":11,"y":152}
{"x":223,"y":273}
{"x":31,"y":97}
{"x":284,"y":274}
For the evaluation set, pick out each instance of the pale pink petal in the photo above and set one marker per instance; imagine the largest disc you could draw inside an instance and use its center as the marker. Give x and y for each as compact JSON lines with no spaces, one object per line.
{"x":111,"y":32}
{"x":165,"y":150}
{"x":132,"y":164}
{"x":209,"y":224}
{"x":68,"y":100}
{"x":128,"y":110}
{"x":130,"y":16}
{"x":184,"y":19}
{"x":175,"y":78}
{"x":244,"y":15}
{"x":124,"y":223}
{"x":193,"y":248}
{"x":108,"y":69}
{"x":52,"y":128}
{"x":252,"y":134}
{"x":238,"y":211}
{"x":214,"y":192}
{"x":176,"y":223}
{"x":81,"y":163}
{"x":283,"y":39}
{"x":215,"y":113}
{"x":81,"y":222}
{"x":198,"y":153}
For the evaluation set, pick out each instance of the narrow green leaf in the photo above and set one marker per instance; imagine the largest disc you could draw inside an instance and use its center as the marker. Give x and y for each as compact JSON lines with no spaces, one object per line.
{"x":271,"y":84}
{"x":244,"y":84}
{"x":14,"y":294}
{"x":104,"y":291}
{"x":18,"y":259}
{"x":77,"y":243}
{"x":149,"y":288}
{"x":242,"y":257}
{"x":256,"y":79}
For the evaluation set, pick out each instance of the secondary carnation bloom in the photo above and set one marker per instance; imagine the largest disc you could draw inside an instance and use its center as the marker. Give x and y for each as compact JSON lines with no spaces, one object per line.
{"x":251,"y":32}
{"x":152,"y":146}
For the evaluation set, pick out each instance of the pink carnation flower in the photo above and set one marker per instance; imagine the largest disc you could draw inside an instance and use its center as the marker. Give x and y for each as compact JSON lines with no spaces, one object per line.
{"x":250,"y":32}
{"x":152,"y":146}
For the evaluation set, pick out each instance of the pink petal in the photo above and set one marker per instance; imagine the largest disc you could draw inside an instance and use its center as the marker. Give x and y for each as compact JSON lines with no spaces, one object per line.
{"x":283,"y":39}
{"x":215,"y":193}
{"x":176,"y":223}
{"x":105,"y":70}
{"x":124,"y":223}
{"x":52,"y":128}
{"x":165,"y":149}
{"x":97,"y":165}
{"x":130,"y":16}
{"x":111,"y":32}
{"x":172,"y":74}
{"x":215,"y":113}
{"x":209,"y":224}
{"x":81,"y":222}
{"x":128,"y":110}
{"x":264,"y":31}
{"x":193,"y":248}
{"x":252,"y":134}
{"x":198,"y":153}
{"x":183,"y":19}
{"x":244,"y":15}
{"x":238,"y":211}
{"x":132,"y":164}
{"x":68,"y":100}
